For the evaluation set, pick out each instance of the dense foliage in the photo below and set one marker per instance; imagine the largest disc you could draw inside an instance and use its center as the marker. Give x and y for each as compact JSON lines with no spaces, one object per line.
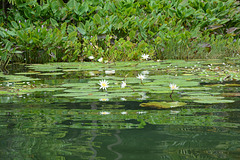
{"x":53,"y":30}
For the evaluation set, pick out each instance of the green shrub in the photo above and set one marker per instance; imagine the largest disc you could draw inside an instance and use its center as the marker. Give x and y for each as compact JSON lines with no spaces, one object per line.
{"x":119,"y":30}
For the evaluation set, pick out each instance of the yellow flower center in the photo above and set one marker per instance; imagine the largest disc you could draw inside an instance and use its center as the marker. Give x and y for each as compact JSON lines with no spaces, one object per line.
{"x":104,"y":84}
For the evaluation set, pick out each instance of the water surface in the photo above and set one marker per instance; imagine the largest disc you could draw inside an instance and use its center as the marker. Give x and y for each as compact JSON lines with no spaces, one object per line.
{"x":58,"y":111}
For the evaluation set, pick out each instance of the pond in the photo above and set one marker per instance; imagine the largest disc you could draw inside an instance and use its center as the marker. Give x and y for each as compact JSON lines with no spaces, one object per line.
{"x":58,"y":111}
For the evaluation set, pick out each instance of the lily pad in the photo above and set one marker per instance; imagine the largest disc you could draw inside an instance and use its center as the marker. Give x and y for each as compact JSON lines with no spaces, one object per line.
{"x":51,"y":74}
{"x":194,"y":88}
{"x":163,"y":105}
{"x":232,"y":85}
{"x":230,"y":94}
{"x":81,"y":90}
{"x":124,"y":94}
{"x":7,"y":93}
{"x":211,"y":101}
{"x":199,"y":94}
{"x":78,"y":85}
{"x":17,"y":78}
{"x":41,"y":90}
{"x":82,"y":94}
{"x":44,"y":67}
{"x":99,"y":97}
{"x":28,"y":73}
{"x":108,"y":78}
{"x":166,"y":79}
{"x":208,"y":99}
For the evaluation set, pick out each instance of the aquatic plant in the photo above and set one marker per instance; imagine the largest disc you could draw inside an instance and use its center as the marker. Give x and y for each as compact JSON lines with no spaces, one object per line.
{"x":103,"y":84}
{"x":173,"y":87}
{"x":141,"y":77}
{"x":100,"y":59}
{"x":91,"y":57}
{"x":145,"y":56}
{"x":123,"y":84}
{"x":118,"y":31}
{"x":199,"y":83}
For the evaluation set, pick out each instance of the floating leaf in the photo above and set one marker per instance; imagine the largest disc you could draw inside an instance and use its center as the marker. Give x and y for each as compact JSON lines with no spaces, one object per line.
{"x":84,"y":94}
{"x":44,"y":67}
{"x":17,"y":78}
{"x":166,"y":80}
{"x":208,"y":99}
{"x":163,"y":105}
{"x":123,"y":94}
{"x":211,"y":101}
{"x":230,"y":94}
{"x":99,"y":97}
{"x":51,"y":74}
{"x":194,"y":88}
{"x":7,"y":93}
{"x":27,"y":73}
{"x":41,"y":90}
{"x":232,"y":85}
{"x":199,"y":94}
{"x":78,"y":85}
{"x":81,"y":90}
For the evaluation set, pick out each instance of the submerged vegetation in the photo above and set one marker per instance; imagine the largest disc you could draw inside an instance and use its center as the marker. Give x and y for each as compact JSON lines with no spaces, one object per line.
{"x":74,"y":30}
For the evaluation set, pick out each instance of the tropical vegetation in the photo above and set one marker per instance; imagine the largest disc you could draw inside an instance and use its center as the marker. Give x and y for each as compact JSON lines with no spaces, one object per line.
{"x":42,"y":31}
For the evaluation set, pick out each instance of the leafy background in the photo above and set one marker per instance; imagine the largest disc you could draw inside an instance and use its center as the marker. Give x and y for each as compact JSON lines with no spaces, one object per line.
{"x":37,"y":32}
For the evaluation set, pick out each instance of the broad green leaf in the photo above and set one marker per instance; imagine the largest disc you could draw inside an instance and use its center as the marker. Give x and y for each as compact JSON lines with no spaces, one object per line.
{"x":53,"y":22}
{"x":81,"y":30}
{"x":71,"y":4}
{"x":14,"y":24}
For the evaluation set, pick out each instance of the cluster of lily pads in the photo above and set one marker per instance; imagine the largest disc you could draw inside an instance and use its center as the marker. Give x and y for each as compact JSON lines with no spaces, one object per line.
{"x":199,"y":81}
{"x":105,"y":84}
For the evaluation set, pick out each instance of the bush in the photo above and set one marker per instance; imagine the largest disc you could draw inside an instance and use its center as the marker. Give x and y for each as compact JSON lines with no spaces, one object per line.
{"x":119,"y":30}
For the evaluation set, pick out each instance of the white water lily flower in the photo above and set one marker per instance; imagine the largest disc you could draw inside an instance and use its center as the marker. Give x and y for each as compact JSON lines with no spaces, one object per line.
{"x":104,"y":113}
{"x":91,"y":57}
{"x":143,"y":98}
{"x":92,"y":73}
{"x":141,"y":77}
{"x":104,"y":99}
{"x":173,"y":86}
{"x":141,"y":112}
{"x":100,"y":59}
{"x":145,"y":56}
{"x":123,"y":99}
{"x":174,"y":112}
{"x":110,"y":72}
{"x":145,"y":72}
{"x":103,"y":84}
{"x":124,"y":84}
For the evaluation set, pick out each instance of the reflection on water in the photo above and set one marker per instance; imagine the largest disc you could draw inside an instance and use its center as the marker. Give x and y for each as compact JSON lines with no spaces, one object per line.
{"x":79,"y":131}
{"x":118,"y":142}
{"x":35,"y":123}
{"x":173,"y":142}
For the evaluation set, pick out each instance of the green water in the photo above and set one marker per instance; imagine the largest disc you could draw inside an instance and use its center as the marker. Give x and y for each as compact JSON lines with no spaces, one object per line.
{"x":45,"y":115}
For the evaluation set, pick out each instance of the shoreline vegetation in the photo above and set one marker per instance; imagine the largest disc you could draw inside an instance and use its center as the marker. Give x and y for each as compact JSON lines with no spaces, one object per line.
{"x":121,"y":30}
